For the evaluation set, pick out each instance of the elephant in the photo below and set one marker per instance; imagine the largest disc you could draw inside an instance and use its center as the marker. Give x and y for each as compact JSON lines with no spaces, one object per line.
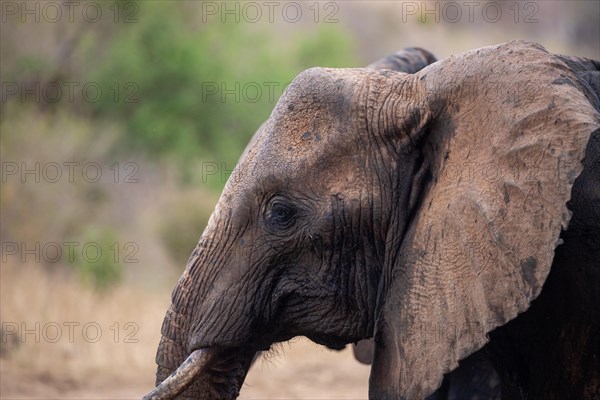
{"x":450,"y":214}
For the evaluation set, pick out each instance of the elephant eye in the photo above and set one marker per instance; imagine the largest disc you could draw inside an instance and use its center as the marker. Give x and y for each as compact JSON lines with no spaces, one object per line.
{"x":281,"y":215}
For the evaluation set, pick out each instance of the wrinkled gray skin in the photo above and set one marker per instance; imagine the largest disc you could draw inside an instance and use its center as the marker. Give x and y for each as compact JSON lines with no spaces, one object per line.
{"x":343,"y":222}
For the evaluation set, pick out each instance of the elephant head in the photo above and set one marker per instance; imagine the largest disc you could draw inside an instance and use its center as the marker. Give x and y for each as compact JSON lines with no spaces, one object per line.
{"x":418,"y":209}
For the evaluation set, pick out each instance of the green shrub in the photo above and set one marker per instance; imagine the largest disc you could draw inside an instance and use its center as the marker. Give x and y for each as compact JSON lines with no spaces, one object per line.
{"x":98,"y":257}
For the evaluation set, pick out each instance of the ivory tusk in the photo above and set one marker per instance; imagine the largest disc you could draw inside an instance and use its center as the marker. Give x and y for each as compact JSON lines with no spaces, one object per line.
{"x":179,"y":380}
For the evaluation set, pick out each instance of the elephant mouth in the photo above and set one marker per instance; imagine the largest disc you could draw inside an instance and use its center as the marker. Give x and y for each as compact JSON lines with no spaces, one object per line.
{"x":207,"y":373}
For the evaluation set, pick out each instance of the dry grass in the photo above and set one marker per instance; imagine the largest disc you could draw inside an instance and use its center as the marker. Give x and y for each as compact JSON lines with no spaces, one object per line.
{"x":81,"y":357}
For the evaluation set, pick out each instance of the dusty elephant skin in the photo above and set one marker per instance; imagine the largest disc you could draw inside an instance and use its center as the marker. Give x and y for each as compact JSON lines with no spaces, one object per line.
{"x":453,"y":210}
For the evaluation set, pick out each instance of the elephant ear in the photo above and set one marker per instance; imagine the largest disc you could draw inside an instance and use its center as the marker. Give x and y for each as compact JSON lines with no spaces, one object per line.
{"x":409,"y":60}
{"x":505,"y":134}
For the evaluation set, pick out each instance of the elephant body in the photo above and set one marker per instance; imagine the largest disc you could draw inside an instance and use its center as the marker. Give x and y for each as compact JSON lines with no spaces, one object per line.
{"x":450,"y":212}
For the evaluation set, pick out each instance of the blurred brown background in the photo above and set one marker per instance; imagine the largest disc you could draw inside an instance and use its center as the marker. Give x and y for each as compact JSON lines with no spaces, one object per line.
{"x":121,"y":121}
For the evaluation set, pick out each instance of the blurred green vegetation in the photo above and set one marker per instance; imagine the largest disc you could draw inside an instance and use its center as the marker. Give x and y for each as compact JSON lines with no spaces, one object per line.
{"x":98,"y":263}
{"x":176,"y":92}
{"x":181,"y":88}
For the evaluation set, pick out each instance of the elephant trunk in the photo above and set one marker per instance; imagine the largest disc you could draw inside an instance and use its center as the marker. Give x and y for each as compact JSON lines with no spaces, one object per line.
{"x":176,"y":371}
{"x":208,"y":373}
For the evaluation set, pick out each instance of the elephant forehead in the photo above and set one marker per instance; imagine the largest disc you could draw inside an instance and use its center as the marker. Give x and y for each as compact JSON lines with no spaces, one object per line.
{"x":305,"y":129}
{"x":310,"y":140}
{"x":303,"y":150}
{"x":297,"y":171}
{"x":319,"y":104}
